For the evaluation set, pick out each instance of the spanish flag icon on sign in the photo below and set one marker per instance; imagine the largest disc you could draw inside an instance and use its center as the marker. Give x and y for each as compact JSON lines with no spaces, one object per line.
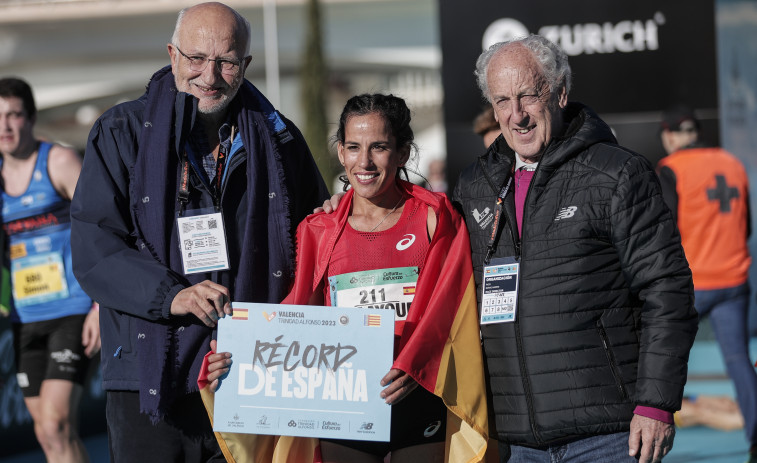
{"x":239,"y":314}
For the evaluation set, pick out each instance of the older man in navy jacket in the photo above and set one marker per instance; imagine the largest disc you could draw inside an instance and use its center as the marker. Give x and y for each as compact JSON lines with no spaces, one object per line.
{"x":201,"y":148}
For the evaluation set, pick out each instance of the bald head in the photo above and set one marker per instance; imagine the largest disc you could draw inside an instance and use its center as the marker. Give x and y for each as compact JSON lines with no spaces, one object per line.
{"x":210,"y":33}
{"x":215,"y":19}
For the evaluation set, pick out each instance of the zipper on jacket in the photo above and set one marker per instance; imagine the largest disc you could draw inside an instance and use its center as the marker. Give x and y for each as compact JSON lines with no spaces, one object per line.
{"x":236,"y":161}
{"x":611,"y":360}
{"x":518,"y":337}
{"x":526,"y":384}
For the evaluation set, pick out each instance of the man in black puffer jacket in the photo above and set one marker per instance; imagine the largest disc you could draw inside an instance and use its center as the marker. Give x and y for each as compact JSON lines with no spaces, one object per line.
{"x":592,"y":361}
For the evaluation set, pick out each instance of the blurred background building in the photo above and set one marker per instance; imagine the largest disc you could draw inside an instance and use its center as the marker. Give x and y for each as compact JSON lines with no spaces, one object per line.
{"x":83,"y":56}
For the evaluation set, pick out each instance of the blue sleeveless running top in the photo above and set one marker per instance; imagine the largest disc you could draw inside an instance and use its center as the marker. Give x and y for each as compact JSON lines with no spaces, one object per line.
{"x":38,"y":226}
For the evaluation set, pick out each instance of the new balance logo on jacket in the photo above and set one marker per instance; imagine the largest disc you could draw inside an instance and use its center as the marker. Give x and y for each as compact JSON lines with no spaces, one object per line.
{"x":566,"y":213}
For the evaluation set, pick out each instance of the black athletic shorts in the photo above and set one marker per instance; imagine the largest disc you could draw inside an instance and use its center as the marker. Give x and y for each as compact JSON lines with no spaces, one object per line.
{"x":420,"y":418}
{"x":50,"y":349}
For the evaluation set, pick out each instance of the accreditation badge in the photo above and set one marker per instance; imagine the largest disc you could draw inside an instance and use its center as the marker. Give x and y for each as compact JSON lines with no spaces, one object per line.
{"x":500,"y":291}
{"x":389,"y":288}
{"x":202,"y":238}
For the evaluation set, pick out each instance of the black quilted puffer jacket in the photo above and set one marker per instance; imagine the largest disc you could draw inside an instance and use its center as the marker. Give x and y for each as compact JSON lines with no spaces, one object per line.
{"x":605,"y":312}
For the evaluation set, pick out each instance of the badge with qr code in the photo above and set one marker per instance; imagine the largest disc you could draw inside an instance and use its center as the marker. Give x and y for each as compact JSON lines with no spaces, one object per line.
{"x":202,"y":239}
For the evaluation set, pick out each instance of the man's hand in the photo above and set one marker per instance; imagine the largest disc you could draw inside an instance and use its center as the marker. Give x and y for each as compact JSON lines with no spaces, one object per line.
{"x":90,"y":333}
{"x":218,"y":365}
{"x":653,"y":437}
{"x":330,"y":204}
{"x":207,"y":301}
{"x":400,"y":384}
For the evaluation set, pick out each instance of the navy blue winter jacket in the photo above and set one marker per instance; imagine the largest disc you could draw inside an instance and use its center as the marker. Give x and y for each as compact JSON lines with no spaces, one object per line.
{"x":121,"y":269}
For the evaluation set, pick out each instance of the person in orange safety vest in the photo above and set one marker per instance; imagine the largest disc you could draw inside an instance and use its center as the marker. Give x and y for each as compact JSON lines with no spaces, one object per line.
{"x":707,"y":191}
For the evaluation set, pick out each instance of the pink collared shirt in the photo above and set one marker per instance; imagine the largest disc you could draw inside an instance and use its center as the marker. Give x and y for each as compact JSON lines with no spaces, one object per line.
{"x":522,"y":180}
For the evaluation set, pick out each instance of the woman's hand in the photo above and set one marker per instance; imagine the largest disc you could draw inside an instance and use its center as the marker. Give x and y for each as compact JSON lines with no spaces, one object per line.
{"x":400,"y":384}
{"x":218,"y":365}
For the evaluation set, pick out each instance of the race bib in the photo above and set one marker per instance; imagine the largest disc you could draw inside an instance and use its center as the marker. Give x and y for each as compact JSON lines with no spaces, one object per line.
{"x":392,"y":288}
{"x":38,"y":278}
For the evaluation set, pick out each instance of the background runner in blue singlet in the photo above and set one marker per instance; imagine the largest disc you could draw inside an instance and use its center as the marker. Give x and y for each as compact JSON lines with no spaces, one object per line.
{"x":55,"y":324}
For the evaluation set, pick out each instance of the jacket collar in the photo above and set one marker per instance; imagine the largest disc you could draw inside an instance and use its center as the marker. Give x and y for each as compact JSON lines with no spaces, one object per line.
{"x":583,"y":128}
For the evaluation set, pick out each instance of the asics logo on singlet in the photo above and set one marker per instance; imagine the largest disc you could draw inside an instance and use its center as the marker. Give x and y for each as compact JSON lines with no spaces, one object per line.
{"x":406,"y":242}
{"x":566,"y":213}
{"x":432,"y":429}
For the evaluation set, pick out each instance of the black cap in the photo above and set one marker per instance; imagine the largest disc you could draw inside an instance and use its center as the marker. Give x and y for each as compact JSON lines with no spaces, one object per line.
{"x":674,"y":116}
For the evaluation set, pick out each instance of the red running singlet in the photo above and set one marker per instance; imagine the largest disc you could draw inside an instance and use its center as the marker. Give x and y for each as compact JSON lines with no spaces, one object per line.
{"x":403,"y":245}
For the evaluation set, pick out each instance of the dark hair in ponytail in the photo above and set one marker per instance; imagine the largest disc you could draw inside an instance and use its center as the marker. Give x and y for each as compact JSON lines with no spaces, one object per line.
{"x":391,"y":108}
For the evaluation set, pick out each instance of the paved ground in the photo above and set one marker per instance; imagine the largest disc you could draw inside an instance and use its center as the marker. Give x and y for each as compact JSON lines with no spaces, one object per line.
{"x":692,"y":445}
{"x":700,"y":444}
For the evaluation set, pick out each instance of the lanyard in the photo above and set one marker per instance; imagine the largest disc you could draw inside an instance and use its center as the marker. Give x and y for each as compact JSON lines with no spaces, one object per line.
{"x":498,"y":207}
{"x":184,"y":183}
{"x":221,"y":164}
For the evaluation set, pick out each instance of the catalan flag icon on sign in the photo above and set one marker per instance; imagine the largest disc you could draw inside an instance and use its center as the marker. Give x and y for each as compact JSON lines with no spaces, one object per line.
{"x":373,"y":320}
{"x":408,"y":290}
{"x":239,"y":314}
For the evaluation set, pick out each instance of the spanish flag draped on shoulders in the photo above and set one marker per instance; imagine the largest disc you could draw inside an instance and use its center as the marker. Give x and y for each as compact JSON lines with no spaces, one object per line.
{"x":440,"y":344}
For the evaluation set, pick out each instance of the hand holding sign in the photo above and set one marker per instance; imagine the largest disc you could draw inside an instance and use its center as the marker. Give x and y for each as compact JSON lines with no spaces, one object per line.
{"x":218,"y":365}
{"x":400,"y":384}
{"x":206,"y":300}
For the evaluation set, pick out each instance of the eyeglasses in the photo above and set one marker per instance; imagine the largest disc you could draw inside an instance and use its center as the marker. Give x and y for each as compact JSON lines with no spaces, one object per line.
{"x":225,"y":66}
{"x":530,"y":99}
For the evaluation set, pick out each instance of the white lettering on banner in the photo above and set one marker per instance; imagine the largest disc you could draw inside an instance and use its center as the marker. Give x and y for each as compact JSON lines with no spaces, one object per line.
{"x":244,"y":369}
{"x":345,"y":383}
{"x":624,"y":36}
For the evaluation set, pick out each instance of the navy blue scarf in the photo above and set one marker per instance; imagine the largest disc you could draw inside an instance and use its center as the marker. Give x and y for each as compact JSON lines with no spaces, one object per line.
{"x":171,"y":351}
